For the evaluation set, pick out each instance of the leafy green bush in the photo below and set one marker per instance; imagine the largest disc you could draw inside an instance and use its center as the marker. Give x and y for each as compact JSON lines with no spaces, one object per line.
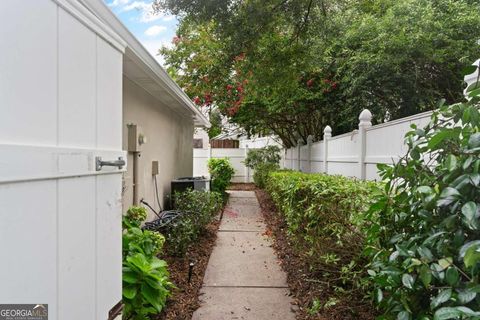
{"x":262,"y":171}
{"x":198,"y":210}
{"x":268,"y":154}
{"x":325,"y":217}
{"x":263,"y":161}
{"x":425,"y":248}
{"x":221,"y":172}
{"x":146,"y":285}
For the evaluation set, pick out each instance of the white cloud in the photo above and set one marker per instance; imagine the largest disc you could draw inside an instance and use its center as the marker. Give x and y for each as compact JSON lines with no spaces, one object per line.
{"x":116,"y":3}
{"x":153,"y":46}
{"x":168,"y":18}
{"x":155,"y":30}
{"x":146,"y":11}
{"x":136,"y":5}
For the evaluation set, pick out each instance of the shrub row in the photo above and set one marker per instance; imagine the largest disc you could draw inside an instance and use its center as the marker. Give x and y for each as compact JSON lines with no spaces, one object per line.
{"x":146,"y":284}
{"x":418,"y":236}
{"x":198,"y":210}
{"x":325,"y":217}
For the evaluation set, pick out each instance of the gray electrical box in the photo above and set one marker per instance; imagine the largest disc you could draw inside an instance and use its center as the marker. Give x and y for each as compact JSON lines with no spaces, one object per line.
{"x":135,"y":138}
{"x":155,"y":168}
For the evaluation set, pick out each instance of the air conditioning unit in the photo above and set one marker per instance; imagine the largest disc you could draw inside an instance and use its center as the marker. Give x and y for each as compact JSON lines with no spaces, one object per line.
{"x":185,"y":183}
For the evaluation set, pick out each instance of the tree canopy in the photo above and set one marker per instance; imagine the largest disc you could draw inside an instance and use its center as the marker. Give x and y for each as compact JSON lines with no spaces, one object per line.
{"x":291,"y":67}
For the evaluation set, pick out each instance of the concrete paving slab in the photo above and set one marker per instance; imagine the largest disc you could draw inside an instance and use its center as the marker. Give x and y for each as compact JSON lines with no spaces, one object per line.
{"x":241,"y":194}
{"x":242,"y":201}
{"x":244,"y":259}
{"x":244,"y":304}
{"x":236,"y":211}
{"x":242,"y":224}
{"x":243,"y":279}
{"x":242,"y":218}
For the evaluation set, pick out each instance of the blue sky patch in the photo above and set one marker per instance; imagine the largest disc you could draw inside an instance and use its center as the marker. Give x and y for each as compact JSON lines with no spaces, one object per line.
{"x":153,"y":30}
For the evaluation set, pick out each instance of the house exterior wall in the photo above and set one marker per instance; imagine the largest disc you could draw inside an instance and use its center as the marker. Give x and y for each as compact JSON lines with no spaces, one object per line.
{"x":169,"y":141}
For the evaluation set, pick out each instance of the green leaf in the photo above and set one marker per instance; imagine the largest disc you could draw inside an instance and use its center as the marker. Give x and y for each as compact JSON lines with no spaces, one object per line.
{"x":467,"y":295}
{"x":438,"y":138}
{"x":468,"y":70}
{"x":404,"y":315}
{"x":129,"y":292}
{"x":454,"y":313}
{"x":474,"y":140}
{"x":157,"y":263}
{"x":425,"y":276}
{"x":443,"y":296}
{"x":447,"y":196}
{"x":445,"y":263}
{"x":408,"y":281}
{"x":152,"y":296}
{"x":446,"y":313}
{"x":467,"y":246}
{"x":451,"y":162}
{"x":452,"y":276}
{"x":425,"y":189}
{"x":472,"y":256}
{"x":469,"y":211}
{"x":425,"y":254}
{"x":379,"y":295}
{"x":130,"y":277}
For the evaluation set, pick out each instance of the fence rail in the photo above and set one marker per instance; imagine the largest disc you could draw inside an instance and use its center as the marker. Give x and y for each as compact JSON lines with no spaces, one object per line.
{"x":357,"y":153}
{"x":354,"y":154}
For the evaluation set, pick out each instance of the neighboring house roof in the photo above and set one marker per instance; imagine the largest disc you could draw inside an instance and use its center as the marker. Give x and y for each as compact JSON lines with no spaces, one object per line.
{"x":140,"y":67}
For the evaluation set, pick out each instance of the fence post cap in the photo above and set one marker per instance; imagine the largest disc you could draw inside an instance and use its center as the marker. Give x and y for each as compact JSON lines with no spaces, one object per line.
{"x":327,"y":130}
{"x":300,"y":142}
{"x":365,"y":116}
{"x":309,"y":139}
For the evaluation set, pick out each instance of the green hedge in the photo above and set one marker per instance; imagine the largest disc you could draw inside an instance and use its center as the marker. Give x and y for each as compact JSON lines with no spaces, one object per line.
{"x":325,"y":216}
{"x":199,"y":209}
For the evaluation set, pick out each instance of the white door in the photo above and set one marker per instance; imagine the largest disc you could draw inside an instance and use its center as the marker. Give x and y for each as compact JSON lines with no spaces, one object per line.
{"x":60,"y":108}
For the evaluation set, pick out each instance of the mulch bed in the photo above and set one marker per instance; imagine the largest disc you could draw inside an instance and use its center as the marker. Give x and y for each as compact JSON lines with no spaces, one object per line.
{"x":301,"y":281}
{"x":184,"y":300}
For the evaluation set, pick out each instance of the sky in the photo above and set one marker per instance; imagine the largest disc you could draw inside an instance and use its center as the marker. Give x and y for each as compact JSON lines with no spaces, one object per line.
{"x":153,"y":30}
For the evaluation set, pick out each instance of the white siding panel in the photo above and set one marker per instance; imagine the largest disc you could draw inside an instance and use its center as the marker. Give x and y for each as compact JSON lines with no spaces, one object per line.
{"x":109,"y":244}
{"x":76,"y":247}
{"x":77,"y":82}
{"x":28,"y":72}
{"x":109,"y":96}
{"x":28,"y":224}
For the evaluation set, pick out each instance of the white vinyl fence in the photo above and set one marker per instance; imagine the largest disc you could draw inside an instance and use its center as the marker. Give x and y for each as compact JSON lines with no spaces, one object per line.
{"x":236,"y":157}
{"x":357,"y":153}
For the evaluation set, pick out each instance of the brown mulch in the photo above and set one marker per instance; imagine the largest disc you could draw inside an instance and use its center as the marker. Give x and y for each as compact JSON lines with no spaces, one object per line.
{"x":300,"y":279}
{"x":242,"y":186}
{"x":184,"y":300}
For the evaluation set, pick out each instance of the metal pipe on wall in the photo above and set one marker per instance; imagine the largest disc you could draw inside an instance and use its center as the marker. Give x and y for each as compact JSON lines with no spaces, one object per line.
{"x":136,"y":156}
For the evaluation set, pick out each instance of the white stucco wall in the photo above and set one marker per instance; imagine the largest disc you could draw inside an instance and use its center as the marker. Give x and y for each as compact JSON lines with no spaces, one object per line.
{"x":169,"y":140}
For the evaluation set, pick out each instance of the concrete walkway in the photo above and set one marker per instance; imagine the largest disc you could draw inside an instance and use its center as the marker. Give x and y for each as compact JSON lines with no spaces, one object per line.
{"x":243,"y":279}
